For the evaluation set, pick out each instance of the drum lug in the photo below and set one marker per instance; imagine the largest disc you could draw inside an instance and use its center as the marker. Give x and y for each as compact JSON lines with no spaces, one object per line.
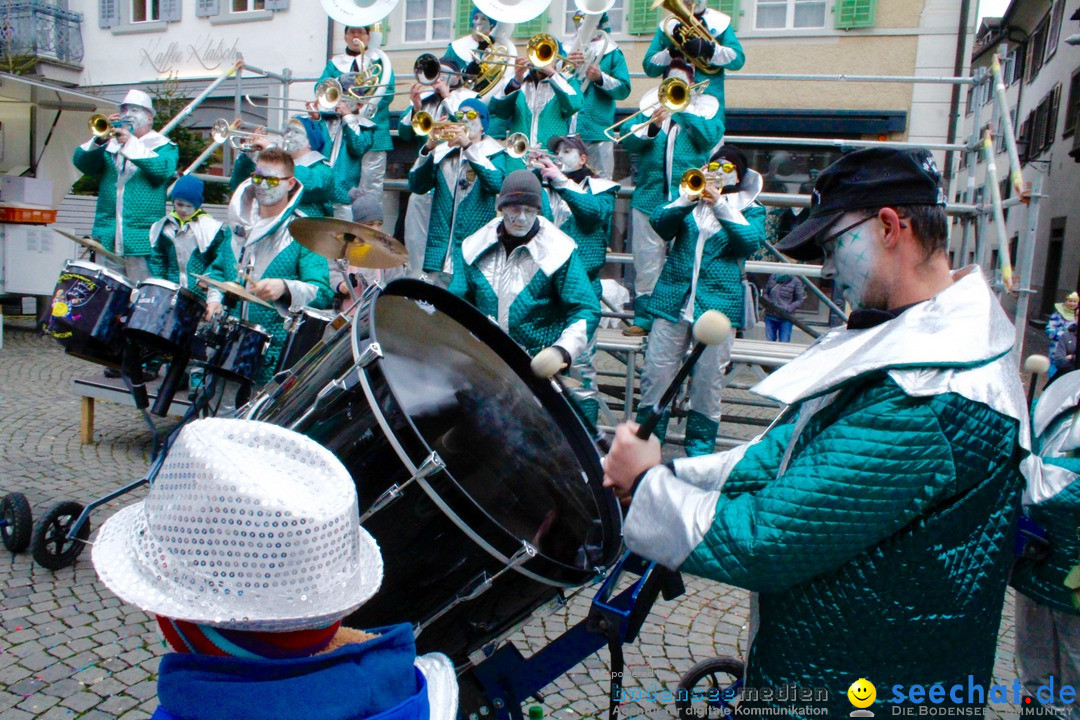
{"x":431,"y":465}
{"x":369,"y":355}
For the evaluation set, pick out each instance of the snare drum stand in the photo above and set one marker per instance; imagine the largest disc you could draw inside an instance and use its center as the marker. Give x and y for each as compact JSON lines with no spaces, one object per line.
{"x":501,"y":679}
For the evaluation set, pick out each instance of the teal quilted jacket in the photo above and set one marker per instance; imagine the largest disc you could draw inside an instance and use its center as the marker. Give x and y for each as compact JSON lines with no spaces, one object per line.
{"x":381,"y":117}
{"x":657,"y":182}
{"x":216,"y":261}
{"x":598,"y":103}
{"x":345,"y":153}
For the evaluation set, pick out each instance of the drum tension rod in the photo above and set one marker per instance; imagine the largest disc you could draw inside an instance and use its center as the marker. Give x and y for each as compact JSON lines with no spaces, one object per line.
{"x":480,"y":585}
{"x":342,"y":384}
{"x":431,"y":465}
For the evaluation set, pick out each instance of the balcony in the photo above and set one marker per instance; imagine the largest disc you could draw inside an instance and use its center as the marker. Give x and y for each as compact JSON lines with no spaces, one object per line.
{"x":42,"y":39}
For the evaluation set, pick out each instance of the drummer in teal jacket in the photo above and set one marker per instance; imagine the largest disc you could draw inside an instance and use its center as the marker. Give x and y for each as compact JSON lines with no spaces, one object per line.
{"x":304,"y":140}
{"x":466,"y":173}
{"x":188,"y":242}
{"x":277,"y":269}
{"x":712,"y":238}
{"x":1048,"y":583}
{"x":524,"y":274}
{"x":874,"y":519}
{"x":539,"y":103}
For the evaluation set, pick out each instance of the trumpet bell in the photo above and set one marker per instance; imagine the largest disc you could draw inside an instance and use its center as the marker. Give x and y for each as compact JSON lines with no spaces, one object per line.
{"x":358,"y":13}
{"x":328,"y":94}
{"x":542,"y":50}
{"x":100,"y":126}
{"x":219,"y":131}
{"x":422,"y":123}
{"x":517,"y":145}
{"x":692,"y":184}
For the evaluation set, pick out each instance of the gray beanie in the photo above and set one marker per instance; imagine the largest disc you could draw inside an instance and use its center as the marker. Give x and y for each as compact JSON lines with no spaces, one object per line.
{"x":521,"y":187}
{"x":367,"y":208}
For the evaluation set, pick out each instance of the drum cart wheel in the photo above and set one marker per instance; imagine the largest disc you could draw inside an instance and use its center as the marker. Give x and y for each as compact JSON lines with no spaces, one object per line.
{"x":50,"y":545}
{"x":16,"y":522}
{"x":710,"y":689}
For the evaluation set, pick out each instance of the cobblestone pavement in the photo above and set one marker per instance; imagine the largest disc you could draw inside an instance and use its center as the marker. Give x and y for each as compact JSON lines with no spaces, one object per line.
{"x":70,"y":649}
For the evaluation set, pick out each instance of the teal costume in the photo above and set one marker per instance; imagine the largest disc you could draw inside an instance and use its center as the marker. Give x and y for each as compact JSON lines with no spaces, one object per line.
{"x":314,"y":174}
{"x":584,"y":211}
{"x":380,"y":117}
{"x":265,"y":247}
{"x":539,"y":108}
{"x":461,"y":51}
{"x":599,"y":98}
{"x":133,"y":180}
{"x":180,"y":250}
{"x":874,"y":519}
{"x":347,"y":141}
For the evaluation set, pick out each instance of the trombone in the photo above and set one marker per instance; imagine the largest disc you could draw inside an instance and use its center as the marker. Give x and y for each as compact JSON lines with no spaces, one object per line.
{"x":327,"y":96}
{"x":423,"y":124}
{"x":542,"y":51}
{"x":674,"y":95}
{"x":222,"y":131}
{"x":691,"y":27}
{"x":517,"y":146}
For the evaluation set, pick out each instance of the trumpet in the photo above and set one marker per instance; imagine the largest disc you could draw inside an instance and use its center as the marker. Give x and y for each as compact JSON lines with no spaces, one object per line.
{"x":222,"y":132}
{"x":101,"y":126}
{"x":423,"y":124}
{"x":693,"y":183}
{"x":542,"y":51}
{"x":517,"y":146}
{"x":674,"y":95}
{"x":691,"y":27}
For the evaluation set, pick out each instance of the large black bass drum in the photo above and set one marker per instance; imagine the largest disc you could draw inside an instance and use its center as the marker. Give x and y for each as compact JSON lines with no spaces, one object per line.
{"x":477,"y":479}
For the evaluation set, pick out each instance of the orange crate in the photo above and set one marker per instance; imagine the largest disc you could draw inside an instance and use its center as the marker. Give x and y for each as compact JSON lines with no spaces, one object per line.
{"x":35,"y":216}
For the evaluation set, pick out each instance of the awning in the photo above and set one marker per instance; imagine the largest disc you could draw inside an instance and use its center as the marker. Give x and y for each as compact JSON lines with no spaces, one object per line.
{"x":49,"y":96}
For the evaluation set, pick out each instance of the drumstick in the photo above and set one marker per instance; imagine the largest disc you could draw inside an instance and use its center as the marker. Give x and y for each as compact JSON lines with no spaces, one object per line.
{"x":1036,"y":365}
{"x":712,"y":328}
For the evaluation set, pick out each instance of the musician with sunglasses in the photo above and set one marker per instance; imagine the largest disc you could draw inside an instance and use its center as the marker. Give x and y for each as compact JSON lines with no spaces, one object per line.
{"x":363,"y":56}
{"x":465,"y":173}
{"x":274,"y":267}
{"x":303,"y":140}
{"x":721,"y":53}
{"x":605,"y":80}
{"x":712,"y":236}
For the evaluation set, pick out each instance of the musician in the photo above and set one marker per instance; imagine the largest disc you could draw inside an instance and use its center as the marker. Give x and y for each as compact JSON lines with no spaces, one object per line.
{"x":361,"y":57}
{"x":348,"y":136}
{"x":304,"y":140}
{"x":664,"y":144}
{"x":605,"y":79}
{"x":188,"y":242}
{"x":134,"y":165}
{"x":874,"y":519}
{"x":440,"y":100}
{"x":721,"y":54}
{"x":712,"y":237}
{"x":366,"y":209}
{"x":275,"y":267}
{"x":524,"y":273}
{"x":537,"y":102}
{"x":582,"y":205}
{"x":486,"y":35}
{"x":465,"y":172}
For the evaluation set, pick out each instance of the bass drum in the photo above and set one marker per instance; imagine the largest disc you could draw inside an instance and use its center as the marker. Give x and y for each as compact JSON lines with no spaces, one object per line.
{"x":477,"y":479}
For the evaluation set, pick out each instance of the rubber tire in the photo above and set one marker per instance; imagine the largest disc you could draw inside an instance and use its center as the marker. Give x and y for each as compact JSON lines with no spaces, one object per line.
{"x":15,"y":510}
{"x":706,"y":670}
{"x":49,"y":547}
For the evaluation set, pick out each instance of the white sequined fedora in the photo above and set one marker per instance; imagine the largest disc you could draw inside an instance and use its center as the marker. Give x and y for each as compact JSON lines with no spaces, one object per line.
{"x":248,"y":526}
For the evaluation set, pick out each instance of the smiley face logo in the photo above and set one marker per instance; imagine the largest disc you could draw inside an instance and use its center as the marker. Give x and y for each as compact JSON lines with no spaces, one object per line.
{"x":862,"y":693}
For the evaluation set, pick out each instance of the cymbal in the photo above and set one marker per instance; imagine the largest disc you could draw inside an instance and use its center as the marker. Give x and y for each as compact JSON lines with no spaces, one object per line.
{"x":357,"y":244}
{"x":235,"y":289}
{"x":91,"y":244}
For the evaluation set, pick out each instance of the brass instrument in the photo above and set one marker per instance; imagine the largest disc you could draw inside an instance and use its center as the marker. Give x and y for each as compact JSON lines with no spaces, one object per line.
{"x":222,"y":132}
{"x":542,"y":51}
{"x":692,"y":27}
{"x":327,"y":96}
{"x":590,"y":11}
{"x":490,"y":73}
{"x":424,"y":125}
{"x":517,"y":146}
{"x":674,"y":95}
{"x":101,"y":126}
{"x":428,"y":70}
{"x":693,"y":184}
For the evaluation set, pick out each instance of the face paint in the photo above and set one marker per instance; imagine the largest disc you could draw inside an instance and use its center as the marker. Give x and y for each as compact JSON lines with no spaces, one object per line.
{"x":481,"y":24}
{"x":571,"y":158}
{"x":700,"y":6}
{"x":295,"y":138}
{"x":475,"y":127}
{"x":519,"y":219}
{"x":183,"y":209}
{"x":850,"y":259}
{"x":265,"y":194}
{"x":135,"y":117}
{"x":731,"y":178}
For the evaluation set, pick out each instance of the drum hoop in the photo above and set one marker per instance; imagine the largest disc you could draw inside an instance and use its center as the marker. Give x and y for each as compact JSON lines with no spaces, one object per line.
{"x":160,"y":282}
{"x":412,"y":467}
{"x":99,"y":269}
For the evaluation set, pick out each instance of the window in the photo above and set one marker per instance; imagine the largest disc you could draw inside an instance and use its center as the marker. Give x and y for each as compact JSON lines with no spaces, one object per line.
{"x":641,"y":19}
{"x":970,"y":105}
{"x":1054,"y":31}
{"x":428,"y":20}
{"x":248,"y":5}
{"x":1016,"y":66}
{"x":1037,"y":49}
{"x":1072,"y":109}
{"x":615,"y":15}
{"x":145,"y":11}
{"x":855,"y":14}
{"x":789,"y":14}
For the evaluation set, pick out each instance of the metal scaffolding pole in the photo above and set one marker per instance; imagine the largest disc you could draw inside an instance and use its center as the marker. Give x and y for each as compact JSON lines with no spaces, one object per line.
{"x":842,"y":144}
{"x":1025,"y":263}
{"x":904,"y":79}
{"x":1004,"y":261}
{"x":972,"y":158}
{"x":183,"y":114}
{"x":1007,"y":128}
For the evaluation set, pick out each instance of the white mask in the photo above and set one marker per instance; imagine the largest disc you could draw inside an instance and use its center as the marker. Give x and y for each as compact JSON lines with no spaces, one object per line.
{"x":267,"y":195}
{"x":519,"y":219}
{"x":481,"y":25}
{"x":570,"y":157}
{"x":850,"y":260}
{"x":136,"y":117}
{"x":731,"y":178}
{"x":475,"y":127}
{"x":295,"y":138}
{"x":183,"y":209}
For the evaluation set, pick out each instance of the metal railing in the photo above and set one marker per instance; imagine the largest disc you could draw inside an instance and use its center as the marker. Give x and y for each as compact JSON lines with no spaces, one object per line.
{"x":35,"y":28}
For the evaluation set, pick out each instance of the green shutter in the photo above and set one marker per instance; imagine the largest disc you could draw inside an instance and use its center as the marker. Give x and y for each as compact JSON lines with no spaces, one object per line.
{"x":640,"y":20}
{"x":462,"y":26}
{"x":729,"y":8}
{"x":855,"y":14}
{"x":524,"y":31}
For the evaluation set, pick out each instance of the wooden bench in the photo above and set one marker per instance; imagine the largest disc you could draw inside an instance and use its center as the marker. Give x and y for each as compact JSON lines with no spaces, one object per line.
{"x":98,"y":387}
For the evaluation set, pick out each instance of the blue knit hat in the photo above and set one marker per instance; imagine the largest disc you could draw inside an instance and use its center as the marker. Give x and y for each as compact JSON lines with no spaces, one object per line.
{"x":477,"y":11}
{"x":189,"y":189}
{"x":479,"y":107}
{"x":314,"y":133}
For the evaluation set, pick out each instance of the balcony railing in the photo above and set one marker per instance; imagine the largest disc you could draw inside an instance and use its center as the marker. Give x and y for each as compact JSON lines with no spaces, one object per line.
{"x":37,"y":29}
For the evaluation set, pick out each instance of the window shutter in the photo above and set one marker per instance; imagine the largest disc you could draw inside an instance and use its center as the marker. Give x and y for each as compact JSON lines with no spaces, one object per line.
{"x":729,"y":8}
{"x":108,"y":13}
{"x":640,"y":20}
{"x":277,"y":4}
{"x":526,"y":30}
{"x":462,"y":16}
{"x":170,"y":10}
{"x":206,"y":8}
{"x":855,"y":14}
{"x":1051,"y":120}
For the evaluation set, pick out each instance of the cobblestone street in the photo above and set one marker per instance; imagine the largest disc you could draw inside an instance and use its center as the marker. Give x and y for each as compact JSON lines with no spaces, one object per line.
{"x":70,"y":649}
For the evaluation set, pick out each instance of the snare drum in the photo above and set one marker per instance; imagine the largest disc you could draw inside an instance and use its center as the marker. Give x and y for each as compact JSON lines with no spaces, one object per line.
{"x":306,"y":328}
{"x":477,"y":479}
{"x":87,"y":312}
{"x":164,"y":316}
{"x":244,"y":347}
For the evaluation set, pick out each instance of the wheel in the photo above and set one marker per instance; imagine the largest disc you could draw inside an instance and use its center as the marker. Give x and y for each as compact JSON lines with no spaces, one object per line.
{"x":16,"y":522}
{"x":710,"y":689}
{"x":50,"y":546}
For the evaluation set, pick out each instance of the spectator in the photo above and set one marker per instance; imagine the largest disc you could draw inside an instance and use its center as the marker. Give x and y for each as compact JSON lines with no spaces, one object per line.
{"x":786,"y":293}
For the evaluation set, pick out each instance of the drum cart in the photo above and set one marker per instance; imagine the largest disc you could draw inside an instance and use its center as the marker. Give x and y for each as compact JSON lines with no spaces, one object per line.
{"x":16,"y":522}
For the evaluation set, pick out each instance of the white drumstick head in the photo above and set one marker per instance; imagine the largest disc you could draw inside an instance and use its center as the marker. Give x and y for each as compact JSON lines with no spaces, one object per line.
{"x":547,"y":362}
{"x":712,"y":328}
{"x":1037,"y":364}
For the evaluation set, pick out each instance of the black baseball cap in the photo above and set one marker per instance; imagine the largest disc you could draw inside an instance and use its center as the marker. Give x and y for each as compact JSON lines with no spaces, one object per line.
{"x":864,"y":179}
{"x":573,"y":141}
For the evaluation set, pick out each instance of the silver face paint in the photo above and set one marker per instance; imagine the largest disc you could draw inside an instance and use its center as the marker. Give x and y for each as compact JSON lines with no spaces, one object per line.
{"x":481,"y":24}
{"x":475,"y":127}
{"x":850,"y":259}
{"x":731,"y":178}
{"x":136,"y":118}
{"x":295,"y":138}
{"x":570,"y":157}
{"x":519,"y":219}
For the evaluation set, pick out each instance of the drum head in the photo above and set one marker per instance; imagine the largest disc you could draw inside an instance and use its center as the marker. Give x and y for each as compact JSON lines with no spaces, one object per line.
{"x":511,"y":443}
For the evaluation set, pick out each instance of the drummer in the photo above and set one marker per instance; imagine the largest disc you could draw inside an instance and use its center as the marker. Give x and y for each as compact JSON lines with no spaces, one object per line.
{"x":275,"y":268}
{"x":188,"y":242}
{"x":525,"y":274}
